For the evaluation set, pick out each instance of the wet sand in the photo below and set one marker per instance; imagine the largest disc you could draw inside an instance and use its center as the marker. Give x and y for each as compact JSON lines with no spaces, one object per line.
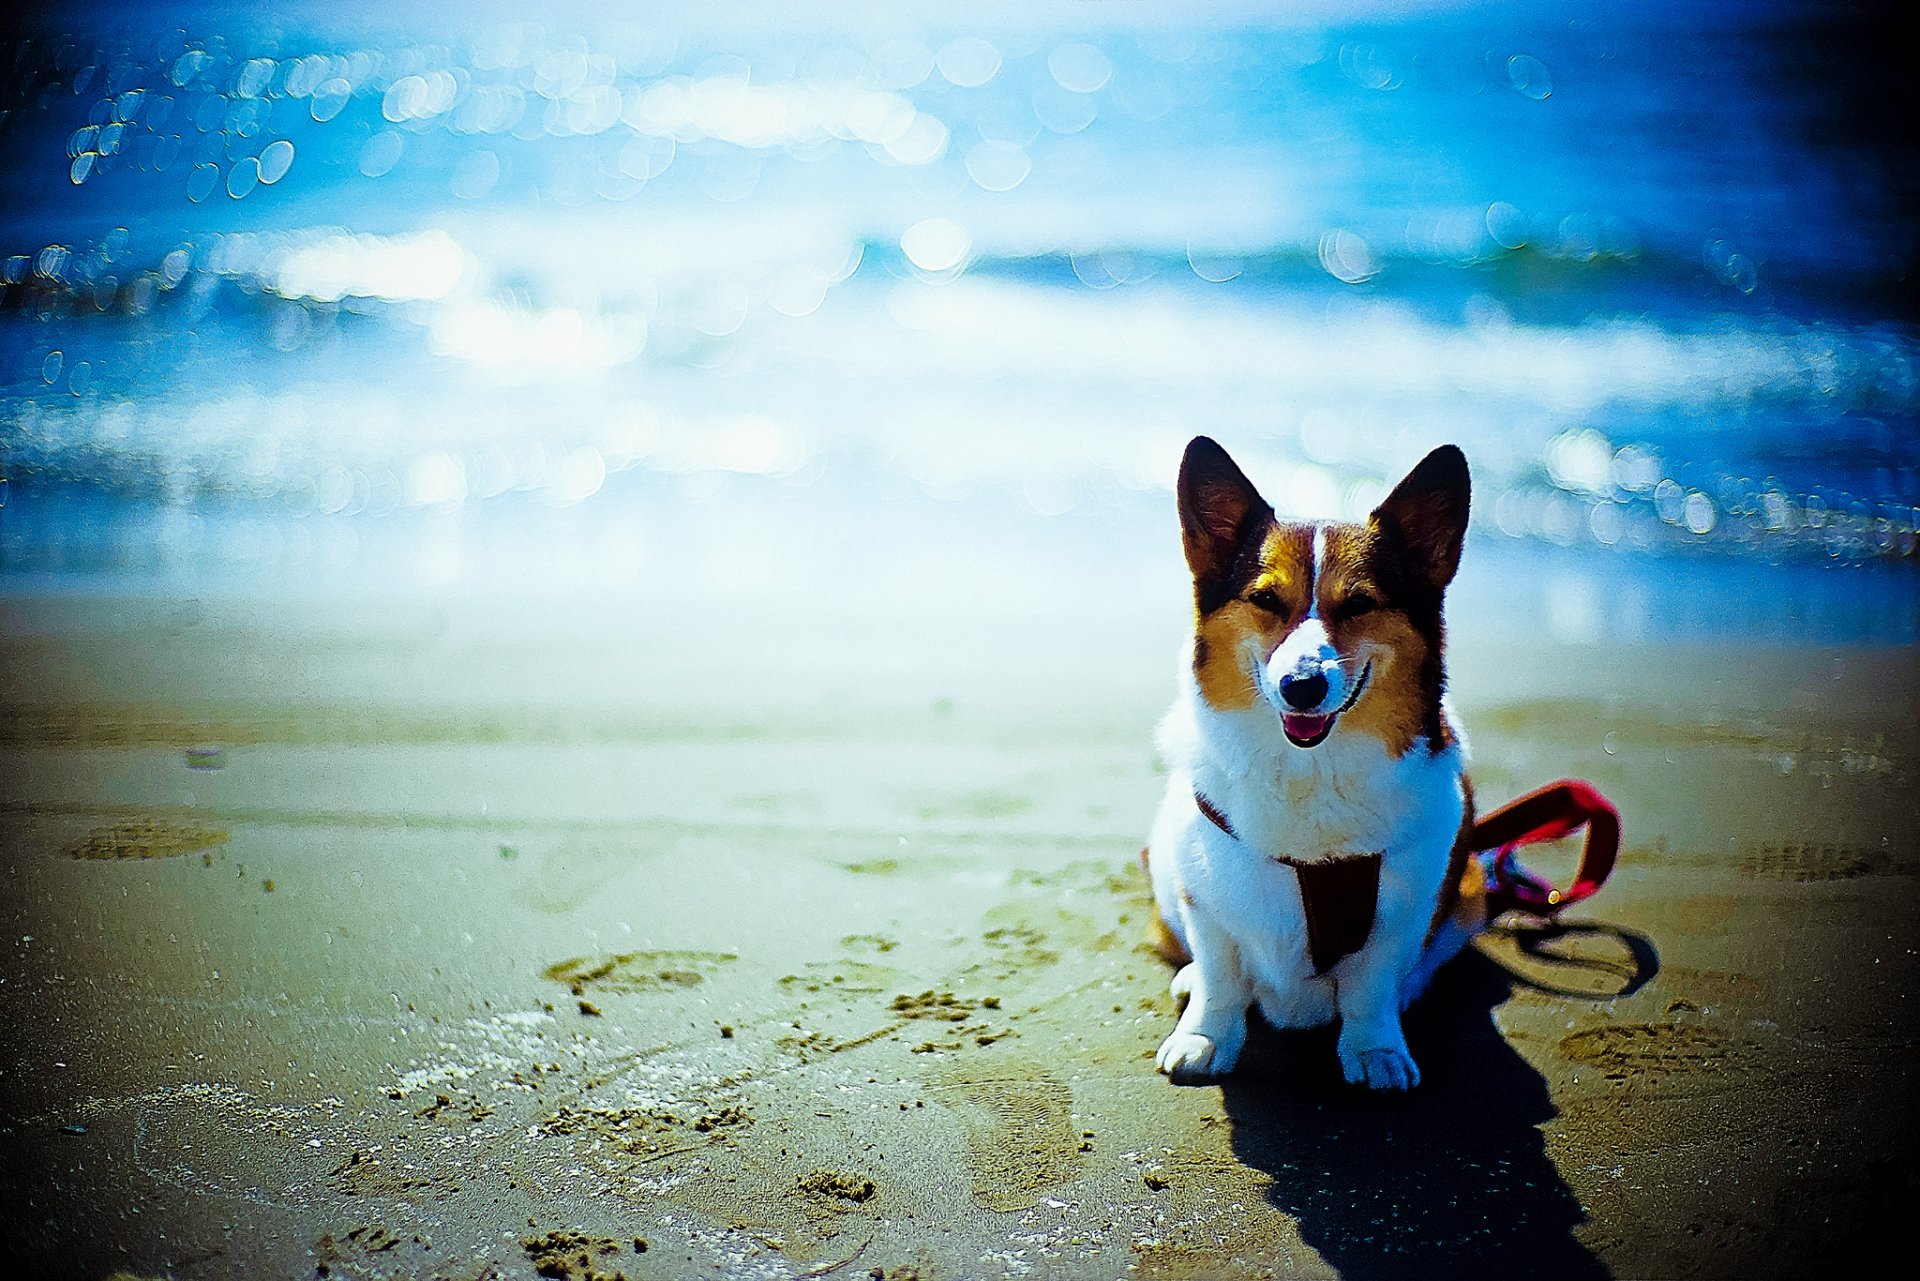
{"x":456,"y":940}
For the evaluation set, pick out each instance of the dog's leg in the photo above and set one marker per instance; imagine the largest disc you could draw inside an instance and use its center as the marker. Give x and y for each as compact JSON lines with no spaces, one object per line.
{"x":1367,"y":986}
{"x":1206,"y":1042}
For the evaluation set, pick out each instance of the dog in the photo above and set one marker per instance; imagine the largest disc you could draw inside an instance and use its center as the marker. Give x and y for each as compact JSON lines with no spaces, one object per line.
{"x":1310,"y":856}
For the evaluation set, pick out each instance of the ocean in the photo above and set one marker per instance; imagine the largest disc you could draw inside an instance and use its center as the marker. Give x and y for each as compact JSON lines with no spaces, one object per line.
{"x":788,"y":301}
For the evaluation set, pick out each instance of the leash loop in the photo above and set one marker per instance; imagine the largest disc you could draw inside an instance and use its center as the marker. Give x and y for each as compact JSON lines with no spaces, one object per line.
{"x":1547,"y":814}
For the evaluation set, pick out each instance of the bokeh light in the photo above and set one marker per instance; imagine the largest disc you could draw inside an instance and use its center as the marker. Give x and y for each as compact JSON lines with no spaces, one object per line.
{"x":334,"y":265}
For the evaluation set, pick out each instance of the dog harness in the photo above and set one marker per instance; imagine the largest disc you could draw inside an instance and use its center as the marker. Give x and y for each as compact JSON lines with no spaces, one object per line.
{"x":1340,"y":893}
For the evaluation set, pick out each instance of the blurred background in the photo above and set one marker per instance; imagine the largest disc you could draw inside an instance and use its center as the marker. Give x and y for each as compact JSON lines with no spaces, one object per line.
{"x":903,"y":302}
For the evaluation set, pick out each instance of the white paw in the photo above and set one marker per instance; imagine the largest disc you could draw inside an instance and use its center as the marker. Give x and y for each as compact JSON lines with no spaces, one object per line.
{"x":1380,"y":1069}
{"x":1184,"y":981}
{"x":1193,"y":1059}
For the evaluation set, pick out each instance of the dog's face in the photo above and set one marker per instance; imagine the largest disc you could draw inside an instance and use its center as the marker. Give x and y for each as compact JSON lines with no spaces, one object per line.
{"x":1333,"y":626}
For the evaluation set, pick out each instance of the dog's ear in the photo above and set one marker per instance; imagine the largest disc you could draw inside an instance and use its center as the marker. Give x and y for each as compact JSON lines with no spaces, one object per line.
{"x":1425,"y":517}
{"x":1218,"y":505}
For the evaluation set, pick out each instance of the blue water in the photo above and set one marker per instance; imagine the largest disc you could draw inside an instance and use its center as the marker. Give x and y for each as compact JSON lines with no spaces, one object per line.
{"x":296,"y":276}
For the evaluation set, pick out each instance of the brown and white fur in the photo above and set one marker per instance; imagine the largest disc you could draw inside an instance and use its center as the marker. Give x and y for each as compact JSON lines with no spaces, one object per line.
{"x":1374,"y":764}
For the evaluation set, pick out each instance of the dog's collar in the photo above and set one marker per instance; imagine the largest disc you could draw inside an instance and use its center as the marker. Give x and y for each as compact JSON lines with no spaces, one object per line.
{"x":1339,"y":894}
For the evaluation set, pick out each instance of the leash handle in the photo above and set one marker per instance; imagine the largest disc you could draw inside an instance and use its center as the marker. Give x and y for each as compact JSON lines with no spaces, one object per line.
{"x":1544,"y":815}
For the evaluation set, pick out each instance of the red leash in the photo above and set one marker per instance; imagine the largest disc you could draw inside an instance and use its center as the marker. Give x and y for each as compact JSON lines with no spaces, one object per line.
{"x":1544,"y":815}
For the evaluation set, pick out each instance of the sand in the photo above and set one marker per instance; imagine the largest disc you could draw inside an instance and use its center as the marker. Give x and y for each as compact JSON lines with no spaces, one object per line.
{"x":447,"y":939}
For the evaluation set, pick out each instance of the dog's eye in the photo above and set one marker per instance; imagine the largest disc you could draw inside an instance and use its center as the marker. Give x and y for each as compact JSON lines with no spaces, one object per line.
{"x":1357,"y":604}
{"x":1266,"y":599}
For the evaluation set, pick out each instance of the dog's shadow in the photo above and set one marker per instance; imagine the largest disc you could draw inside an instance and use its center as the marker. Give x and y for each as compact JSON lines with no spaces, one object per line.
{"x":1451,"y":1180}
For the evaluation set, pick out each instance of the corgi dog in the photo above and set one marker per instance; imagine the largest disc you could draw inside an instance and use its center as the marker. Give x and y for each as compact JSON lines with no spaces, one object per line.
{"x":1310,"y":856}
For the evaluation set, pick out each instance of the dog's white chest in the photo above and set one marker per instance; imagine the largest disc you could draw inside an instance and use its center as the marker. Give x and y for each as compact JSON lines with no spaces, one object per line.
{"x":1344,"y":798}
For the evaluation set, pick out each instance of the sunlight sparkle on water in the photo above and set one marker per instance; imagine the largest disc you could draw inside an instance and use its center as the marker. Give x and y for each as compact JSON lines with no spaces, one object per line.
{"x":936,"y":244}
{"x":423,"y":265}
{"x":968,"y":61}
{"x":426,"y":271}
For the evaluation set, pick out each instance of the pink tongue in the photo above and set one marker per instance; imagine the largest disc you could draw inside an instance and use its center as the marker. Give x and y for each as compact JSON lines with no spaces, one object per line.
{"x":1304,"y":726}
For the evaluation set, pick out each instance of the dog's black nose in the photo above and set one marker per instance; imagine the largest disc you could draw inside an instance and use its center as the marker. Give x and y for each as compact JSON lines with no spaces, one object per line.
{"x":1304,"y":691}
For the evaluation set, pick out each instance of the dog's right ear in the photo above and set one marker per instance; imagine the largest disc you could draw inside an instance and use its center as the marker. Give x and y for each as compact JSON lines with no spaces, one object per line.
{"x":1218,"y":505}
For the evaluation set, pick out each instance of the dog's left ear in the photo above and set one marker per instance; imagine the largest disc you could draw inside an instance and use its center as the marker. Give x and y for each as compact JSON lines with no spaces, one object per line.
{"x":1425,"y":517}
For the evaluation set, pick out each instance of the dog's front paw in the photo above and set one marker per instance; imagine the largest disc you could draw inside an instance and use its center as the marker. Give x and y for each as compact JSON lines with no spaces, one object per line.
{"x":1380,"y":1069}
{"x":1192,"y":1059}
{"x":1184,"y":982}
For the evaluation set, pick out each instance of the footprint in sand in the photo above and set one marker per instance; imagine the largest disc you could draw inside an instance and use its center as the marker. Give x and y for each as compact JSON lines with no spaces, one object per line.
{"x":1648,"y":1049}
{"x":1809,"y":861}
{"x":146,"y":838}
{"x":1021,"y":1138}
{"x":636,"y":971}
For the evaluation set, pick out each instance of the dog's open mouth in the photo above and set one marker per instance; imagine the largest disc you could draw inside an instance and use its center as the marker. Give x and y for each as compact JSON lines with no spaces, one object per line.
{"x":1310,"y":729}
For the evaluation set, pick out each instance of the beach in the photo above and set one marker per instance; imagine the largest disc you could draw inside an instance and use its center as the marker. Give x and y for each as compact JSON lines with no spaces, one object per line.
{"x":471,"y":938}
{"x":584,"y":598}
